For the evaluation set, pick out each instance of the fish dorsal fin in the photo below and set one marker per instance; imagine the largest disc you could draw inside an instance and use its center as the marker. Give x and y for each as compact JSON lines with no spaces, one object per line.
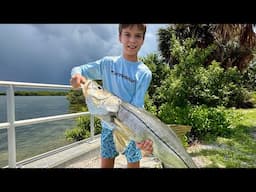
{"x":180,"y":130}
{"x":120,"y":140}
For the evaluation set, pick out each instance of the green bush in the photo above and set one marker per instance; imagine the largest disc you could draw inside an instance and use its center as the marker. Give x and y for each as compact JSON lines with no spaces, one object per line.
{"x":206,"y":122}
{"x":174,"y":114}
{"x":191,"y":83}
{"x":210,"y":122}
{"x":149,"y":106}
{"x":249,"y":77}
{"x":82,"y":129}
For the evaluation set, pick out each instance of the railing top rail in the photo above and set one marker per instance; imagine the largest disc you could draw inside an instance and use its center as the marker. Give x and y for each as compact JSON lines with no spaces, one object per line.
{"x":34,"y":85}
{"x":43,"y":119}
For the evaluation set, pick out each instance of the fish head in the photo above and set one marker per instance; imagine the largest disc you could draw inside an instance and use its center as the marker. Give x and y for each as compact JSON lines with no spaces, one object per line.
{"x":98,"y":100}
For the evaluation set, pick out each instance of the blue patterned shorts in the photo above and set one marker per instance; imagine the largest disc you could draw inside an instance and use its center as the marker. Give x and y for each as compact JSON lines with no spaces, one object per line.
{"x":108,"y":150}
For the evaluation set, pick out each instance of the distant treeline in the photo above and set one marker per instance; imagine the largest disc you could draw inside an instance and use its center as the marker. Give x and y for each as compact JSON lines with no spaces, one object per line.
{"x":38,"y":93}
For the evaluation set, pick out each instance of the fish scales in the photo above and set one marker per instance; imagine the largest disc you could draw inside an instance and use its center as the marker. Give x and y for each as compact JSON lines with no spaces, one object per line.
{"x":147,"y":126}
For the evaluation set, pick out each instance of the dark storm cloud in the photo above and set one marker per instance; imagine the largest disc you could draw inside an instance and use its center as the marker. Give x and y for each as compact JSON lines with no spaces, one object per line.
{"x":45,"y":53}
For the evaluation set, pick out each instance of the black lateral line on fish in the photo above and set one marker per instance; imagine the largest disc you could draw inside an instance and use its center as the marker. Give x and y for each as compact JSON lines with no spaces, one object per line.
{"x":156,"y":134}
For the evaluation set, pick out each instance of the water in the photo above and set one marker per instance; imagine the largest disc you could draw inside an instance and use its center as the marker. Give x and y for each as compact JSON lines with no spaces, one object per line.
{"x":35,"y":139}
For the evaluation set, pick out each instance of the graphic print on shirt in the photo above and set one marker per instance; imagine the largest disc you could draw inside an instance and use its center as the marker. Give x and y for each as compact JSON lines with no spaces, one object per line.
{"x":123,"y":76}
{"x":126,"y":82}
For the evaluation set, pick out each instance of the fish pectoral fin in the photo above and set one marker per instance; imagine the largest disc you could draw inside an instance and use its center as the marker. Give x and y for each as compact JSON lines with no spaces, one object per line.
{"x":122,"y":135}
{"x":120,"y":140}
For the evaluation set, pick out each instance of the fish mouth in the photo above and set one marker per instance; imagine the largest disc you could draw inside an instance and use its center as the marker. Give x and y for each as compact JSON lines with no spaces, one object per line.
{"x":98,"y":98}
{"x":85,"y":86}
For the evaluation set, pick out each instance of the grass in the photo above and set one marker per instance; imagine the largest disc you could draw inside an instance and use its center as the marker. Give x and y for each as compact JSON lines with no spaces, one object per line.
{"x":237,"y":151}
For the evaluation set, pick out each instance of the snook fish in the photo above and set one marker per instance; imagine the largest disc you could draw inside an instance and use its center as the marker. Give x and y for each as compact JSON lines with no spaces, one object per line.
{"x":132,"y":123}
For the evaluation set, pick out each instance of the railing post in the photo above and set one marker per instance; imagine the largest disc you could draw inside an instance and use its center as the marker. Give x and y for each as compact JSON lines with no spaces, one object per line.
{"x":92,"y":126}
{"x":11,"y":130}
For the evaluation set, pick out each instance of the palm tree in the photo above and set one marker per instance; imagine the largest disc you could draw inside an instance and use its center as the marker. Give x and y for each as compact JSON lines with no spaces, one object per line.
{"x":244,"y":36}
{"x":236,"y":43}
{"x":244,"y":33}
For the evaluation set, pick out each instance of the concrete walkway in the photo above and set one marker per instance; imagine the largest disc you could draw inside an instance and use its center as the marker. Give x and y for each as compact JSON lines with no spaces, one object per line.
{"x":83,"y":154}
{"x":92,"y":160}
{"x":120,"y":162}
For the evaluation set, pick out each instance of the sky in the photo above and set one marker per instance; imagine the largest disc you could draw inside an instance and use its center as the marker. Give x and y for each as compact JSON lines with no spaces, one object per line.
{"x":46,"y":53}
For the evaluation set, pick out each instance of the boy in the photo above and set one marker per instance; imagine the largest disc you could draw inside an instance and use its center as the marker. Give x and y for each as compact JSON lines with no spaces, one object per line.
{"x":125,"y":77}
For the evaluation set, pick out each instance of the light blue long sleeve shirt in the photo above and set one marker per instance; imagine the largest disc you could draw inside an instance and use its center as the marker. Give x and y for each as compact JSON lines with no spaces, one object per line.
{"x":125,"y":79}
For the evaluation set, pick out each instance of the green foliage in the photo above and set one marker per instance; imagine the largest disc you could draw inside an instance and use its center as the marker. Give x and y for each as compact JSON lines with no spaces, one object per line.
{"x":206,"y":122}
{"x":219,"y":87}
{"x":149,"y":106}
{"x":77,"y":134}
{"x":160,"y":71}
{"x":249,"y":77}
{"x":76,"y":101}
{"x":179,"y":87}
{"x":253,"y":99}
{"x":82,"y":129}
{"x":75,"y":97}
{"x":40,"y":93}
{"x":171,"y":114}
{"x":191,"y":83}
{"x":210,"y":122}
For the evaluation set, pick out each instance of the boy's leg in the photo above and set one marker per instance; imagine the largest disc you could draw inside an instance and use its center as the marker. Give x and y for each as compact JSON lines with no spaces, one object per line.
{"x":108,"y":150}
{"x":107,"y":162}
{"x":133,"y":165}
{"x":133,"y":155}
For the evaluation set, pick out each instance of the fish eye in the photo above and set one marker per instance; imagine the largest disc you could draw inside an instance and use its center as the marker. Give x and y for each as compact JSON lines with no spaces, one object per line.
{"x":99,"y":87}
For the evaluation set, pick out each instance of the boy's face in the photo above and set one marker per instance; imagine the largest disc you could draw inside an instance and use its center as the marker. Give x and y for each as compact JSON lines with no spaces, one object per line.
{"x":132,"y":40}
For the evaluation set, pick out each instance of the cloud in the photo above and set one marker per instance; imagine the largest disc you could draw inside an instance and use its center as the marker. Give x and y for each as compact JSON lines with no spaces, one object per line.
{"x":46,"y":53}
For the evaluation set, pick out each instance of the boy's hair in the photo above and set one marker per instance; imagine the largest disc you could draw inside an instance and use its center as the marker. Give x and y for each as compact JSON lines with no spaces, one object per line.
{"x":142,"y":27}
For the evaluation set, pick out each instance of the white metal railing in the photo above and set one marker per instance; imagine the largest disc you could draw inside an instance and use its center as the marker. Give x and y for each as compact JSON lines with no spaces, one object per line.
{"x":11,"y":124}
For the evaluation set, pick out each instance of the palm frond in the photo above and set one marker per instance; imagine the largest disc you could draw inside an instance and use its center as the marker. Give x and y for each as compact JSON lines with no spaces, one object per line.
{"x":225,"y":32}
{"x":248,"y":36}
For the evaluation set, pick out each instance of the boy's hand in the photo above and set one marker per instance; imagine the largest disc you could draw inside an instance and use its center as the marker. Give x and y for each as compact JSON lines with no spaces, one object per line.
{"x":76,"y":80}
{"x":146,"y":146}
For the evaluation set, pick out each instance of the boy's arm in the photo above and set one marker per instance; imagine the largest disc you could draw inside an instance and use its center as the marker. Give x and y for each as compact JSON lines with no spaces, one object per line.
{"x":91,"y":70}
